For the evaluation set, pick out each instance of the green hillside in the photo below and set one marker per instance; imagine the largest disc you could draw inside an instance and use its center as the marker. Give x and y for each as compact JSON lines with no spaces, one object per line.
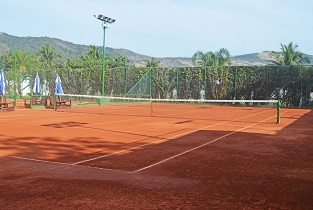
{"x":69,"y":49}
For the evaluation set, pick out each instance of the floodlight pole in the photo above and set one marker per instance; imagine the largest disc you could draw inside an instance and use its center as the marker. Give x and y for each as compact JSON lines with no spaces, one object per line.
{"x":105,"y":24}
{"x":103,"y":60}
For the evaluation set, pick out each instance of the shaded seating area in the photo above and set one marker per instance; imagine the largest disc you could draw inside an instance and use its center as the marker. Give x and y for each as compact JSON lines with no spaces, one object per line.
{"x":6,"y":105}
{"x":60,"y":102}
{"x":39,"y":99}
{"x":35,"y":101}
{"x":63,"y":103}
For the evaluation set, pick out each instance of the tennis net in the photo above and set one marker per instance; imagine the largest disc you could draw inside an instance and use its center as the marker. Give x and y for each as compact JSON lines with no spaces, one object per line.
{"x":152,"y":106}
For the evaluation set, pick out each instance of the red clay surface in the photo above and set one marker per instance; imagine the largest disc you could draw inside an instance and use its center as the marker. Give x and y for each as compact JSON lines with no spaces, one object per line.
{"x":182,"y":156}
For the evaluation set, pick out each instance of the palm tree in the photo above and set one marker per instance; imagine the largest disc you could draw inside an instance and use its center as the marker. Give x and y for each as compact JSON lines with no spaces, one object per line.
{"x":94,"y":52}
{"x":290,"y":55}
{"x":118,"y":61}
{"x":215,"y":62}
{"x":47,"y":54}
{"x":154,"y":63}
{"x":211,"y":59}
{"x":25,"y":62}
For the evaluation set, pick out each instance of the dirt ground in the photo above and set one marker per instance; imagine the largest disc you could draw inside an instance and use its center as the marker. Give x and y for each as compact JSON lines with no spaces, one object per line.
{"x":202,"y":158}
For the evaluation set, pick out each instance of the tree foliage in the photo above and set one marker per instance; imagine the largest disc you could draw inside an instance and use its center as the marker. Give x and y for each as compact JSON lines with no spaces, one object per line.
{"x":290,"y":55}
{"x":213,"y":74}
{"x":47,"y":55}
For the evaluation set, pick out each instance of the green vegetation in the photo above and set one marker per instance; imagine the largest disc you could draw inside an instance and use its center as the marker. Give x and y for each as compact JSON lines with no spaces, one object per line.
{"x":213,"y":74}
{"x":290,"y":55}
{"x":70,"y":50}
{"x":214,"y":63}
{"x":75,"y":72}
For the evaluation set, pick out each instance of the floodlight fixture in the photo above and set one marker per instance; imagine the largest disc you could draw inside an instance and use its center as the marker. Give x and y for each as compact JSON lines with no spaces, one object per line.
{"x":106,"y":21}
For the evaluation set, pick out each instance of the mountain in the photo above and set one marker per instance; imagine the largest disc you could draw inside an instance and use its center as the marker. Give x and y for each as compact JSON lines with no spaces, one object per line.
{"x":69,"y":49}
{"x":258,"y":59}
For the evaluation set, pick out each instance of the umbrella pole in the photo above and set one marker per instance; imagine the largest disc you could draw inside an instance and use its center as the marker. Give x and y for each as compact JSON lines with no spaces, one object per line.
{"x":31,"y":91}
{"x":54,"y":96}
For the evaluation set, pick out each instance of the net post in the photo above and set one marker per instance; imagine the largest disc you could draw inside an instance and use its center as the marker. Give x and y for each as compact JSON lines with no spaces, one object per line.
{"x":278,"y":107}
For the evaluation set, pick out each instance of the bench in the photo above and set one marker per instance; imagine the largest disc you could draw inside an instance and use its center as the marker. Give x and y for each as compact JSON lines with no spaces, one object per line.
{"x":4,"y":104}
{"x":35,"y":101}
{"x":60,"y":103}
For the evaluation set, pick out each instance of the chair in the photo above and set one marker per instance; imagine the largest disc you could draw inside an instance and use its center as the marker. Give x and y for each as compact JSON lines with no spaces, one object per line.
{"x":34,"y":101}
{"x":60,"y":103}
{"x":64,"y":103}
{"x":44,"y":101}
{"x":4,"y":104}
{"x":26,"y":103}
{"x":50,"y":102}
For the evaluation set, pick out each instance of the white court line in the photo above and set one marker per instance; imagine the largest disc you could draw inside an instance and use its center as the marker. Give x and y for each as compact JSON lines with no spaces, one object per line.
{"x":135,"y":118}
{"x":89,"y":123}
{"x":200,"y":146}
{"x":64,"y":164}
{"x":107,"y":169}
{"x":28,"y":117}
{"x":165,"y":139}
{"x":137,"y":134}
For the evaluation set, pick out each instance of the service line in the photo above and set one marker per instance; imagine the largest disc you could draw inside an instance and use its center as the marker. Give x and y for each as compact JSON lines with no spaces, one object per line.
{"x":168,"y":138}
{"x":202,"y":145}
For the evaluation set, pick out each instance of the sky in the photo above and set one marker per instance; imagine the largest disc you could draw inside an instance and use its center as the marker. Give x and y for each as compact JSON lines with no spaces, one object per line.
{"x":166,"y":28}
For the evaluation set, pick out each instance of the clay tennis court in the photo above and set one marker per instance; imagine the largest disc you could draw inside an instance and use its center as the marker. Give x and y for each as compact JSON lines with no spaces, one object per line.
{"x":180,"y":156}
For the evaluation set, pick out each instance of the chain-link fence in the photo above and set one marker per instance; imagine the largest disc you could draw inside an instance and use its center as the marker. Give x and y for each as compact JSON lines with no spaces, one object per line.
{"x":293,"y":84}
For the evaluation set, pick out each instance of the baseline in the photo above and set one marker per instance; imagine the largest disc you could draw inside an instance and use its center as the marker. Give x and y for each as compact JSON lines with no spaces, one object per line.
{"x":62,"y":164}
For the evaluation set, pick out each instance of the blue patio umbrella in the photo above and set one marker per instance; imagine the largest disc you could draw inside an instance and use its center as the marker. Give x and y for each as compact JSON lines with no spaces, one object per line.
{"x":58,"y":85}
{"x":37,"y":86}
{"x":3,"y":82}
